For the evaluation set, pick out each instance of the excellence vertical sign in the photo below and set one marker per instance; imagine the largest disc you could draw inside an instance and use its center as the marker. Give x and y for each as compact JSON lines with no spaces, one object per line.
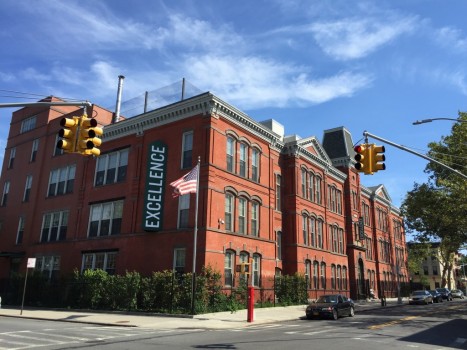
{"x":155,"y":185}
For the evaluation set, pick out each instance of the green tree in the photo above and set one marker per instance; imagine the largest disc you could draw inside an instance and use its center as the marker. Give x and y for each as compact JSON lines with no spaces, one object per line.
{"x":437,"y":210}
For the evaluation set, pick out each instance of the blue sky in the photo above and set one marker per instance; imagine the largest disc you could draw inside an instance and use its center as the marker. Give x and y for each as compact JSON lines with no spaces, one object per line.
{"x":311,"y":65}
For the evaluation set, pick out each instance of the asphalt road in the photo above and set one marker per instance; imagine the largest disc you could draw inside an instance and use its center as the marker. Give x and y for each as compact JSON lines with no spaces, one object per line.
{"x":437,"y":326}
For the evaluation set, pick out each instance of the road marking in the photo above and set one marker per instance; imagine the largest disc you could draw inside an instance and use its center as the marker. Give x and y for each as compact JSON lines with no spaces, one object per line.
{"x":392,"y":323}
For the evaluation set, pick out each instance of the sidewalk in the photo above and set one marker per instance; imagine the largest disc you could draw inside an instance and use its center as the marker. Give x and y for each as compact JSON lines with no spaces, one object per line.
{"x":218,"y":320}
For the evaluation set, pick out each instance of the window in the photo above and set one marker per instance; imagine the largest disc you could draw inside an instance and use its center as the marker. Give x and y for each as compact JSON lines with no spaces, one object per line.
{"x":254,"y":164}
{"x":254,"y":218}
{"x":369,"y":248}
{"x":101,"y":260}
{"x":27,"y":188}
{"x":35,"y":147}
{"x":340,"y":238}
{"x":28,"y":124}
{"x":106,"y":219}
{"x":315,"y":275}
{"x":243,"y":159}
{"x":179,"y":260}
{"x":229,"y":202}
{"x":230,"y":154}
{"x":304,"y":182}
{"x":242,"y":219}
{"x":323,"y":275}
{"x":319,"y":230}
{"x":307,"y":273}
{"x":229,"y":261}
{"x":187,"y":149}
{"x":279,"y":245}
{"x":311,"y":192}
{"x":334,"y":239}
{"x":49,"y":266}
{"x":344,"y":278}
{"x":278,"y":192}
{"x":111,"y":168}
{"x":54,"y":226}
{"x":256,"y":270}
{"x":305,"y":229}
{"x":313,"y":231}
{"x":61,"y":181}
{"x":338,"y":277}
{"x":183,"y":210}
{"x":6,"y":189}
{"x":20,"y":233}
{"x":11,"y":161}
{"x":333,"y":276}
{"x":317,"y":190}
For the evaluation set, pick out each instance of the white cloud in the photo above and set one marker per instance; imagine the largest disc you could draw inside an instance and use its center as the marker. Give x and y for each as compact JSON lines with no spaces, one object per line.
{"x":253,"y":82}
{"x":451,"y":38}
{"x":356,"y":38}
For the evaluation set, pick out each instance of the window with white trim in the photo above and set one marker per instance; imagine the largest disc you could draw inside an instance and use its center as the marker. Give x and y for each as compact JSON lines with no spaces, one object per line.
{"x":61,"y":181}
{"x":106,"y":219}
{"x":279,"y":245}
{"x":308,"y":273}
{"x":315,"y":275}
{"x":242,"y":218}
{"x":6,"y":190}
{"x":49,"y":266}
{"x":183,"y":210}
{"x":228,"y":212}
{"x":27,"y":188}
{"x":179,"y":260}
{"x":105,"y":261}
{"x":111,"y":168}
{"x":20,"y":232}
{"x":323,"y":275}
{"x":278,"y":191}
{"x":230,"y":154}
{"x":229,"y":263}
{"x":54,"y":226}
{"x":187,"y":149}
{"x":11,"y":161}
{"x":243,"y":160}
{"x":35,"y":148}
{"x":256,"y":270}
{"x":254,"y":219}
{"x":28,"y":124}
{"x":255,"y":161}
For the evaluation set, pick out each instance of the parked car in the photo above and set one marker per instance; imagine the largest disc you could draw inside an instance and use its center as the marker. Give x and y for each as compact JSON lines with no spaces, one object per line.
{"x":437,"y":297}
{"x":331,"y":306}
{"x":421,"y":297}
{"x":457,"y":293}
{"x":446,"y":293}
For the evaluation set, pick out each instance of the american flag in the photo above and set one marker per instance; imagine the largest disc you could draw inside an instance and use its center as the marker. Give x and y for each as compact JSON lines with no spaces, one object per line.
{"x":186,"y":184}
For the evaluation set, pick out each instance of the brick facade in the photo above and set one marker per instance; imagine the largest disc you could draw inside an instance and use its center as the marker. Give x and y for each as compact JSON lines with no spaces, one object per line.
{"x":288,"y":203}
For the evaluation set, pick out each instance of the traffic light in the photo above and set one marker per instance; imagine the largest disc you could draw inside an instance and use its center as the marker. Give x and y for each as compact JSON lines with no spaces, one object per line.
{"x":243,"y":268}
{"x":377,"y":157}
{"x":88,"y":139}
{"x":68,"y":134}
{"x":362,"y":158}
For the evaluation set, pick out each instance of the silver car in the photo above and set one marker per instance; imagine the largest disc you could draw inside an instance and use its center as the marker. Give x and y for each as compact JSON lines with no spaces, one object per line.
{"x":457,"y":293}
{"x":421,"y":297}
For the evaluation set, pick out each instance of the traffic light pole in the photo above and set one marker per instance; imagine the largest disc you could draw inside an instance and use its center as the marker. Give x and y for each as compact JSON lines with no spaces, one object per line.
{"x":366,"y":134}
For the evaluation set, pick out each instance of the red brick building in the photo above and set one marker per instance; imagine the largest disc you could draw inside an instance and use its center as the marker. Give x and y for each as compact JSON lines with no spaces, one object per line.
{"x":288,"y":204}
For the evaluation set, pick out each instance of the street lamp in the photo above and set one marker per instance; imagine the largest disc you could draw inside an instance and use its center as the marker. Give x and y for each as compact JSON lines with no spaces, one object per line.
{"x":423,"y":121}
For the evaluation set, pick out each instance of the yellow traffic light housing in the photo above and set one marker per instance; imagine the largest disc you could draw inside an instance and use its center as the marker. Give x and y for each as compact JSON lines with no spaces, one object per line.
{"x":362,"y":158}
{"x":88,"y":140}
{"x":243,"y":268}
{"x":68,"y":134}
{"x":377,"y":158}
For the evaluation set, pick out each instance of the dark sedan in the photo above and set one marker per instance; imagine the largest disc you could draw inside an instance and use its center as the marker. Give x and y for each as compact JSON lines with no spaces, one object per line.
{"x":331,"y":306}
{"x":437,"y":297}
{"x":445,"y":292}
{"x":420,"y":297}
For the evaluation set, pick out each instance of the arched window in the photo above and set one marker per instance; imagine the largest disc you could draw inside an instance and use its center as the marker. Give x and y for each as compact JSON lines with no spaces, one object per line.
{"x":344,"y":278}
{"x":315,"y":274}
{"x":256,"y":273}
{"x":308,"y":273}
{"x":323,"y":275}
{"x":339,"y":278}
{"x":230,"y":154}
{"x":229,"y":263}
{"x":333,"y":276}
{"x":305,"y":229}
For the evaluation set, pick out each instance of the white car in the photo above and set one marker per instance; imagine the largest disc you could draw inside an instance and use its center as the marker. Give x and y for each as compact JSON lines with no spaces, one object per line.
{"x":457,"y":293}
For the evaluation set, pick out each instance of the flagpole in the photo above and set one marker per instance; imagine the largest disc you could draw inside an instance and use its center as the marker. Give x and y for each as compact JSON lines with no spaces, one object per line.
{"x":195,"y":239}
